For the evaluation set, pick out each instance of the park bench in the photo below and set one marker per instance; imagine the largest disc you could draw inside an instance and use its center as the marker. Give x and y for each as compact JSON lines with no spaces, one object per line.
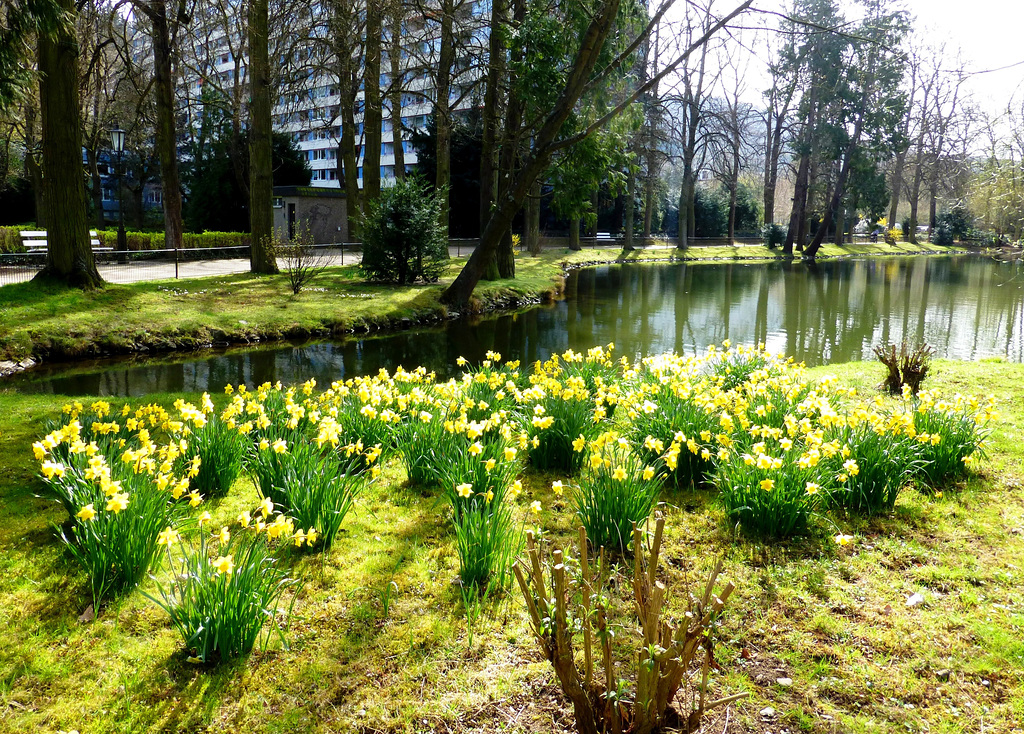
{"x":35,"y":241}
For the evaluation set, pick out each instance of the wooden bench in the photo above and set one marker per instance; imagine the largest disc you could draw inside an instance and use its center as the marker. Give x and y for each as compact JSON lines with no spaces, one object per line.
{"x":35,"y":241}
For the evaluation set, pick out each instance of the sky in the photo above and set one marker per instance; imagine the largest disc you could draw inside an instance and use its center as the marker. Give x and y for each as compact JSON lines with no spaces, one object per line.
{"x":988,"y":33}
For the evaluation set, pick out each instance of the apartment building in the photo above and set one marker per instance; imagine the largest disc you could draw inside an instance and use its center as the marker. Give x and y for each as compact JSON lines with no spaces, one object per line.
{"x":308,"y":102}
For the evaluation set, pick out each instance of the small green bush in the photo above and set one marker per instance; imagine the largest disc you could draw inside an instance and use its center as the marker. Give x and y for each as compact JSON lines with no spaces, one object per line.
{"x":403,"y":240}
{"x":773,"y":235}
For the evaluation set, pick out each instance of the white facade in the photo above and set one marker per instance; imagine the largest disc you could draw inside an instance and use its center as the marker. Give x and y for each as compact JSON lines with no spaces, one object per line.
{"x":309,"y":111}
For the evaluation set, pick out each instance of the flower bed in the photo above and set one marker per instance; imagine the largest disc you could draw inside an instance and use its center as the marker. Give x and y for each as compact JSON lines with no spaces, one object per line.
{"x":784,"y":453}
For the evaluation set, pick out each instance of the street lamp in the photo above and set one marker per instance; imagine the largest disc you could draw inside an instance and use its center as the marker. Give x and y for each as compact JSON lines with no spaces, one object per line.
{"x":117,"y":136}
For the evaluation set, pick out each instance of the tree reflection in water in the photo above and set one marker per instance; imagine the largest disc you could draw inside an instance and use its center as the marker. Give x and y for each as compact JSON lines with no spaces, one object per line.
{"x":831,"y":311}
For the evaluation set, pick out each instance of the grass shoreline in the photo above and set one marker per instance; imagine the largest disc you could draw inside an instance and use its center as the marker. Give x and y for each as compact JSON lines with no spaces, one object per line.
{"x":45,"y":324}
{"x":834,"y":621}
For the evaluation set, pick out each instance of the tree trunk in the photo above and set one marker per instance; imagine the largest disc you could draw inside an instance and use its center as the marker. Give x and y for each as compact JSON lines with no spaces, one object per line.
{"x":508,"y":162}
{"x":442,"y":111}
{"x":628,"y":240}
{"x":395,"y":57}
{"x":347,"y":152}
{"x":796,"y":217}
{"x":166,"y":133}
{"x":932,"y":196}
{"x":96,"y":189}
{"x":533,"y":219}
{"x":915,"y":193}
{"x":897,"y":184}
{"x":844,"y":173}
{"x":686,"y":190}
{"x":574,"y":233}
{"x":32,"y":170}
{"x":492,"y":96}
{"x":734,"y":185}
{"x":261,"y":167}
{"x":69,"y":257}
{"x":372,"y":113}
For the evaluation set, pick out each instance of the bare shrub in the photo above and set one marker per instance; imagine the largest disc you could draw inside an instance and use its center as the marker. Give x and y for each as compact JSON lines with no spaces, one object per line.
{"x":906,"y":366}
{"x":674,"y":656}
{"x":301,"y":261}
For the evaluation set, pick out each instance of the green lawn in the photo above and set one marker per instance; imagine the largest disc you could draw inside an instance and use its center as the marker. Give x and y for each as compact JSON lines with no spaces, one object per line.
{"x":832,"y":619}
{"x":50,"y":324}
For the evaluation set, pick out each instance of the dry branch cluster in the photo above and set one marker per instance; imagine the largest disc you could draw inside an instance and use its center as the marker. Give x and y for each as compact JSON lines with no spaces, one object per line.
{"x":672,"y":656}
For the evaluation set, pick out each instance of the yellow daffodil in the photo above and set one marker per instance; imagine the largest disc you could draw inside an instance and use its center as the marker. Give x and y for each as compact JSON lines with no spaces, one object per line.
{"x":767,"y":485}
{"x":224,"y":565}
{"x":535,"y":507}
{"x":117,"y":502}
{"x":464,"y":490}
{"x":648,"y":473}
{"x":167,"y":536}
{"x":556,"y":487}
{"x":280,"y":446}
{"x":86,"y":513}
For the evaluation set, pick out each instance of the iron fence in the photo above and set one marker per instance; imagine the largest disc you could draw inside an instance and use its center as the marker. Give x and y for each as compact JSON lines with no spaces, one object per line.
{"x":135,"y":266}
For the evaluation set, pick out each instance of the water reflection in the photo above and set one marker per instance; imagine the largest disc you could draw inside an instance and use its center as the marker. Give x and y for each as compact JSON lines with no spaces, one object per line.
{"x":966,"y":307}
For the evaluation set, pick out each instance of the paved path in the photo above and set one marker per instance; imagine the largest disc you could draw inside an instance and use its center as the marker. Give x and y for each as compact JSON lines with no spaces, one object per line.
{"x":145,"y":270}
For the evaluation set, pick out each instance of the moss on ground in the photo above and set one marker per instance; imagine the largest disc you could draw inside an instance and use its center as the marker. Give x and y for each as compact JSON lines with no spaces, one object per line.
{"x":49,"y":323}
{"x":834,"y":620}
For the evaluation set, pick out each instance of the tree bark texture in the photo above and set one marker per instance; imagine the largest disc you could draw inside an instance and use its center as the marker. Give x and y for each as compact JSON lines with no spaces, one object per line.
{"x":442,"y":108}
{"x":261,"y":167}
{"x":372,"y":113}
{"x":166,"y":129}
{"x":395,"y":97}
{"x":492,"y":97}
{"x":533,"y":219}
{"x":69,"y":257}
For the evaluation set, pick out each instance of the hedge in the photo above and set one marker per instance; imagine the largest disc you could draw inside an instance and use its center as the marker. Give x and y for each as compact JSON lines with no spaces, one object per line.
{"x":10,"y":239}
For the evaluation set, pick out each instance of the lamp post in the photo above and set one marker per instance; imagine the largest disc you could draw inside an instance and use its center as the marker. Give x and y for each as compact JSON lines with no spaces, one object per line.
{"x":117,"y":136}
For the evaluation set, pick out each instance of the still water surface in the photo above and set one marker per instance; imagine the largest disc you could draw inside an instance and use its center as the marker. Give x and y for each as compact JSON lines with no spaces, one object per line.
{"x":834,"y":311}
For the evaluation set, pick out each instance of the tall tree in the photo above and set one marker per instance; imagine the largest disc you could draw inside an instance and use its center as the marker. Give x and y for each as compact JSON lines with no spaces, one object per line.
{"x":579,"y":78}
{"x":876,"y":70}
{"x":261,"y":180}
{"x":69,"y":257}
{"x":372,"y":111}
{"x":164,"y":24}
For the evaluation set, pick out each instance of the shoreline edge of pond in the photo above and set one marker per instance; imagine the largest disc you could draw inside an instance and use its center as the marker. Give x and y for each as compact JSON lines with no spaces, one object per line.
{"x":35,"y":329}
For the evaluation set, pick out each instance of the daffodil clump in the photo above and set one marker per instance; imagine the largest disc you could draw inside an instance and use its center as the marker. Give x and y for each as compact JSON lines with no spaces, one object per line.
{"x":226,"y":586}
{"x":218,"y":443}
{"x":569,"y":398}
{"x":120,"y":486}
{"x":952,"y":433}
{"x":616,"y":490}
{"x":779,"y":447}
{"x":314,"y":483}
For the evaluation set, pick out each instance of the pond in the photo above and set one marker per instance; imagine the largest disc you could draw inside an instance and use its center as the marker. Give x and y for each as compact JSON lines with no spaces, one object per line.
{"x":967,"y":307}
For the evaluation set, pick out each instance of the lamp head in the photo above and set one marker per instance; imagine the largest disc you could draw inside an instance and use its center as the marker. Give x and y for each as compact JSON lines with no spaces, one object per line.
{"x":117,"y":136}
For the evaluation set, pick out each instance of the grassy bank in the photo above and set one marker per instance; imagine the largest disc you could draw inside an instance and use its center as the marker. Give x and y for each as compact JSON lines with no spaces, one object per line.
{"x":833,"y":620}
{"x":49,"y":324}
